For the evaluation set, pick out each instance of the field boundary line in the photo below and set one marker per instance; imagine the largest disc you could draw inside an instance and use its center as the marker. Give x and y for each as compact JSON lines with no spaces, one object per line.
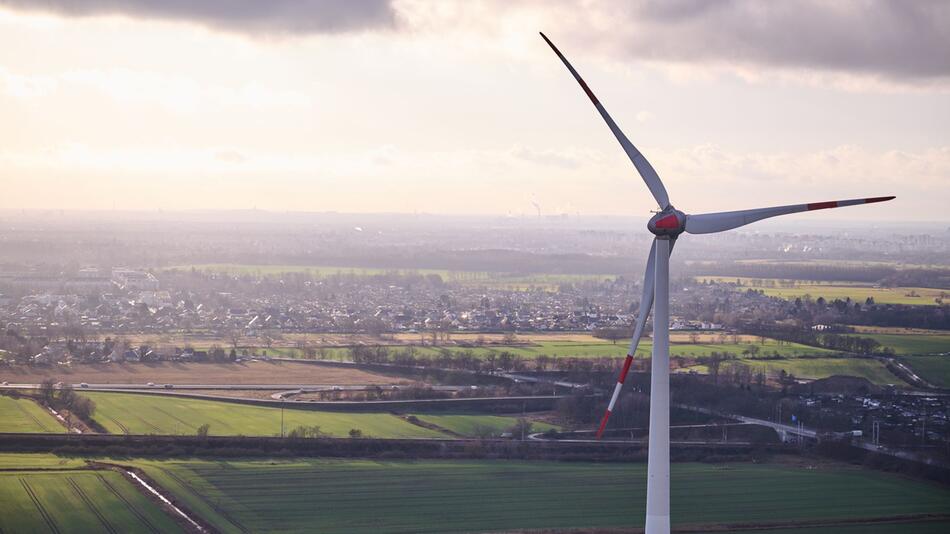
{"x":203,"y":498}
{"x":50,"y":522}
{"x":33,"y":417}
{"x":89,"y":504}
{"x":123,"y":428}
{"x":135,"y":511}
{"x":175,"y":417}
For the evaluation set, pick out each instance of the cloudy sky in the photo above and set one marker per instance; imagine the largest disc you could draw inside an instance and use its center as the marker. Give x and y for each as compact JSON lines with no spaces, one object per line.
{"x":460,"y":107}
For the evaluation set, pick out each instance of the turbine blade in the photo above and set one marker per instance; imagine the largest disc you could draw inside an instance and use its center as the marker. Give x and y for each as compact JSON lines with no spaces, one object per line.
{"x":643,"y":166}
{"x":646,"y":303}
{"x":708,"y":223}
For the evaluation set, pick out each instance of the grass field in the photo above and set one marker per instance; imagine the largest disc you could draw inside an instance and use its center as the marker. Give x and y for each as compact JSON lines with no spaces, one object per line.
{"x":606,"y":349}
{"x":478,"y":425}
{"x":122,"y":413}
{"x":76,"y":501}
{"x":466,"y":496}
{"x":24,"y":415}
{"x":926,"y":353}
{"x":530,"y":345}
{"x":913,"y":343}
{"x":857,"y":292}
{"x":934,"y":369}
{"x":815,"y":368}
{"x":250,"y":372}
{"x":13,"y":460}
{"x":514,"y":281}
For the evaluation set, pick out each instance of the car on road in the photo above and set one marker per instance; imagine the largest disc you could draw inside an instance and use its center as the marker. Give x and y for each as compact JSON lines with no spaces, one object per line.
{"x":150,"y":384}
{"x":169,"y":386}
{"x":83,"y":385}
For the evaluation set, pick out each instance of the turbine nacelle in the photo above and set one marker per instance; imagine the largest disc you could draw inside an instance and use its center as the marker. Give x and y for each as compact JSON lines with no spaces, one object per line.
{"x":668,"y":223}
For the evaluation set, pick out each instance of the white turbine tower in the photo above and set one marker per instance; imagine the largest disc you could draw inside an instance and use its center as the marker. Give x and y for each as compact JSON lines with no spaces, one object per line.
{"x":667,"y":225}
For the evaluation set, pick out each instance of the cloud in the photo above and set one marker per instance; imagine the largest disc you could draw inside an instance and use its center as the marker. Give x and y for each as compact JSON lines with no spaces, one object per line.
{"x":565,"y":159}
{"x":172,"y":92}
{"x":263,"y":17}
{"x":705,"y":172}
{"x":892,"y":38}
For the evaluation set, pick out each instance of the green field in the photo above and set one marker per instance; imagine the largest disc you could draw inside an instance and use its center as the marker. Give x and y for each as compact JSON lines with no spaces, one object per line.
{"x":24,"y":415}
{"x":815,"y":368}
{"x":477,"y":278}
{"x":317,"y":271}
{"x":595,"y":349}
{"x":913,"y":343}
{"x":858,"y":292}
{"x":12,"y":460}
{"x":468,"y":496}
{"x":76,"y":501}
{"x":129,"y":413}
{"x":478,"y":425}
{"x":934,"y":369}
{"x":927,"y":354}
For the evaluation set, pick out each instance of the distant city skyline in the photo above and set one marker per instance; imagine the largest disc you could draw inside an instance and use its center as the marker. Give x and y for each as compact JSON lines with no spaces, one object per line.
{"x":460,"y":107}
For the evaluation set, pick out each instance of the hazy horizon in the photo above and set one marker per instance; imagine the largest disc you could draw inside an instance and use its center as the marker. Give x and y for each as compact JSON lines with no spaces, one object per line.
{"x":459,"y":107}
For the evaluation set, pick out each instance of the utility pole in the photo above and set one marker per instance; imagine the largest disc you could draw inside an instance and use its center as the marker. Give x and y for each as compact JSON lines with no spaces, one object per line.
{"x":281,"y":417}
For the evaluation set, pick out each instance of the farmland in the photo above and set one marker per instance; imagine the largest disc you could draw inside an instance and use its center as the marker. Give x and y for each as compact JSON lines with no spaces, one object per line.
{"x":815,"y":368}
{"x":250,"y":372}
{"x":934,"y":369}
{"x":122,"y":413}
{"x":913,"y":343}
{"x":478,"y":425}
{"x":858,"y":292}
{"x":512,"y":281}
{"x":438,"y":496}
{"x":76,"y":500}
{"x":606,"y":349}
{"x":337,"y":347}
{"x":927,"y":353}
{"x":24,"y":415}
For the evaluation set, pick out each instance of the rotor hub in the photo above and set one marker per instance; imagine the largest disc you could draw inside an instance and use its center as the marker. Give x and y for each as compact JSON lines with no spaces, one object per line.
{"x":668,"y":223}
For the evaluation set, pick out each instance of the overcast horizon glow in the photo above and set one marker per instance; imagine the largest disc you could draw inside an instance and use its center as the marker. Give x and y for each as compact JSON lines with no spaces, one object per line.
{"x":451,"y":107}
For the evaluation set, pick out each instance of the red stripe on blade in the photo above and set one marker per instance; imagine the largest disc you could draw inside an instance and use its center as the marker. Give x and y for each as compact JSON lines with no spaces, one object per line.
{"x":822,"y":205}
{"x":626,"y":367}
{"x":603,"y":424}
{"x":878,"y":199}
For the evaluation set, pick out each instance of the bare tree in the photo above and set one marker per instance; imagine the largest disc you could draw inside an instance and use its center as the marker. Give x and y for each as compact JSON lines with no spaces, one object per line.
{"x":48,"y":390}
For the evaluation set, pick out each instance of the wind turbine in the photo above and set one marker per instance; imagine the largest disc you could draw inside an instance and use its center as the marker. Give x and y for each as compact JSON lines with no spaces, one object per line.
{"x":667,"y":225}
